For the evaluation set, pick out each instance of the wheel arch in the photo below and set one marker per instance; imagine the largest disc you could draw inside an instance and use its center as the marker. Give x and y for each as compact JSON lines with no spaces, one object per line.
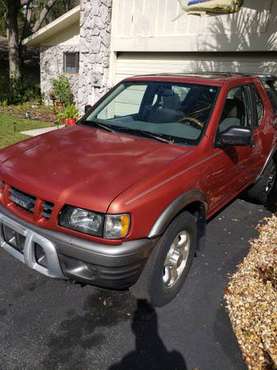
{"x":193,"y":201}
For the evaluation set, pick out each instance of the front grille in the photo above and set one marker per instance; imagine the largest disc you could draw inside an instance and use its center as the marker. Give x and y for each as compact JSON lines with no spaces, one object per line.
{"x":23,"y":200}
{"x":47,"y":209}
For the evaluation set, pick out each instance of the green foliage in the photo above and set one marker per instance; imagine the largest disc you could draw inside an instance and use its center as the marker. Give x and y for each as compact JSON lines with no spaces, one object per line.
{"x":4,"y":103}
{"x":69,"y":112}
{"x":18,"y":92}
{"x":62,"y":90}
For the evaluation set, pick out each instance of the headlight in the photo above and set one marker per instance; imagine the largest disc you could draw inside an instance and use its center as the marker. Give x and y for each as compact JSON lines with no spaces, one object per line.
{"x":116,"y":226}
{"x":82,"y":220}
{"x":88,"y":222}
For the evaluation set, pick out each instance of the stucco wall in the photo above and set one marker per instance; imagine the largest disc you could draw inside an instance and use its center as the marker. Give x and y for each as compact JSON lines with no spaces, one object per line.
{"x":95,"y":39}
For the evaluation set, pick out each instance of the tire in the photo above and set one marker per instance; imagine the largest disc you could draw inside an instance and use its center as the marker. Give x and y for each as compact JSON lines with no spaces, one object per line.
{"x":156,"y":283}
{"x":263,"y":191}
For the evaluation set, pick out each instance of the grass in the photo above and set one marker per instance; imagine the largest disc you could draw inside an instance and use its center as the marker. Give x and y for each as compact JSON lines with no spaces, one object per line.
{"x":10,"y":128}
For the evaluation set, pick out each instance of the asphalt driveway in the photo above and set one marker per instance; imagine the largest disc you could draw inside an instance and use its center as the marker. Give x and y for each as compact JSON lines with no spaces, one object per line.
{"x":47,"y":324}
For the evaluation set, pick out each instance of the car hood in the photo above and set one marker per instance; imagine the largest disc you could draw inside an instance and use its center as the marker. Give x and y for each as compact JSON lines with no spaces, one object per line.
{"x":84,"y":166}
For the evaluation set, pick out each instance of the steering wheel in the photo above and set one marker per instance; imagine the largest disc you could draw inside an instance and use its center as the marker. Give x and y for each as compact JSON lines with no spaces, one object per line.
{"x":192,"y":120}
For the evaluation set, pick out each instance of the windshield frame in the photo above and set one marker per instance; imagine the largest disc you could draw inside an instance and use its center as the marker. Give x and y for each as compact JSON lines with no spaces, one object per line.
{"x":126,"y":83}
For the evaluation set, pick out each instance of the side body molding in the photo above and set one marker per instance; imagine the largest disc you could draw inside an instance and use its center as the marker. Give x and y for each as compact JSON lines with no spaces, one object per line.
{"x":270,"y":156}
{"x":176,"y":207}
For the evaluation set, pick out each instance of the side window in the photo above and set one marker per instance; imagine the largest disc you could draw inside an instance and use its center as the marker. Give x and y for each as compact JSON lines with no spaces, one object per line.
{"x":258,"y":105}
{"x":237,"y":110}
{"x":271,"y":90}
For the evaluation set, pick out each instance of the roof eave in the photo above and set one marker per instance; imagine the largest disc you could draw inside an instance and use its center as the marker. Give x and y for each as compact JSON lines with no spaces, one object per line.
{"x":59,"y":24}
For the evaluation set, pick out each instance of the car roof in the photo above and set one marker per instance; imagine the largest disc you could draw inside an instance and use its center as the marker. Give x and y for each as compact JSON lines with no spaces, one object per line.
{"x":214,"y":78}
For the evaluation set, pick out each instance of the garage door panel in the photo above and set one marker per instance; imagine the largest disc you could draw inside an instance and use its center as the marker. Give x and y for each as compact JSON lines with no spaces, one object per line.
{"x":130,"y":64}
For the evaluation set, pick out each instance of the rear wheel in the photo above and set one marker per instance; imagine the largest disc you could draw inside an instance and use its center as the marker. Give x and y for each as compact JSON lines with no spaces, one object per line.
{"x":263,"y":191}
{"x":169,"y":263}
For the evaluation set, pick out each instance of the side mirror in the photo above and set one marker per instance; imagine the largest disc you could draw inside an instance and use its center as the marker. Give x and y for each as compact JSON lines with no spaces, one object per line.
{"x":235,"y":136}
{"x":87,"y":108}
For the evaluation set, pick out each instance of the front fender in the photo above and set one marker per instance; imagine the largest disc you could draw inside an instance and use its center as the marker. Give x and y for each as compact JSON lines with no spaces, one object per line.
{"x":175,"y":208}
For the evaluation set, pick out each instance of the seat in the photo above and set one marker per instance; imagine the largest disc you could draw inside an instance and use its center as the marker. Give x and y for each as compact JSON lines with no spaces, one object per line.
{"x":233,"y":114}
{"x":166,"y":108}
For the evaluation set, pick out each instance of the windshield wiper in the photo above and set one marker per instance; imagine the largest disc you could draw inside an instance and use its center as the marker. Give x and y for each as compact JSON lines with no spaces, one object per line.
{"x":144,"y":133}
{"x":156,"y":137}
{"x":99,"y":125}
{"x":129,"y":130}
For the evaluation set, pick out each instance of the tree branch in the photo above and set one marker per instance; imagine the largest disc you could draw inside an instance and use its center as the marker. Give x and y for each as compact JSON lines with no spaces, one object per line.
{"x":43,"y":14}
{"x":27,"y":20}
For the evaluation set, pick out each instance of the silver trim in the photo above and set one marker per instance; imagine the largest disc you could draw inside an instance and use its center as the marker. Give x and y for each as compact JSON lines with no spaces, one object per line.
{"x":53,"y":269}
{"x":271,"y":154}
{"x":174,"y":208}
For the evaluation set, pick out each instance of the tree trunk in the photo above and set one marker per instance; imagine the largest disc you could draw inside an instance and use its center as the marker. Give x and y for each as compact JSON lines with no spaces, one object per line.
{"x":13,"y":7}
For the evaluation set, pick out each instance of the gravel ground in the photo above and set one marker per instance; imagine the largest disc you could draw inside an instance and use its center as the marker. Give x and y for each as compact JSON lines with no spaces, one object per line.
{"x":47,"y":324}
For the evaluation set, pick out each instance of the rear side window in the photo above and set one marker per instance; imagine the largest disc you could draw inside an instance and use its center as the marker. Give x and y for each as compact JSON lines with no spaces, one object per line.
{"x":271,"y":89}
{"x":258,"y":107}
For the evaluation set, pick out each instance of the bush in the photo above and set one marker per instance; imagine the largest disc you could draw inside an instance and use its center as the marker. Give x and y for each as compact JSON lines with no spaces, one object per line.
{"x":69,"y":112}
{"x":62,"y":90}
{"x":18,"y":92}
{"x":251,"y":301}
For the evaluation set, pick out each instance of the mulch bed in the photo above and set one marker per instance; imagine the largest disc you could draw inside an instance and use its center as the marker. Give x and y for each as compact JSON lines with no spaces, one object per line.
{"x":251,"y":298}
{"x":30,"y":111}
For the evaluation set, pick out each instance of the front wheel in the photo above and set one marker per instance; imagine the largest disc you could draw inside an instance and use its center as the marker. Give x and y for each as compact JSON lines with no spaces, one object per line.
{"x":169,"y":263}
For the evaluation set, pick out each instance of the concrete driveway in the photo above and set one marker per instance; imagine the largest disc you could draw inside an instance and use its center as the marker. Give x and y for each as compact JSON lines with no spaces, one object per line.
{"x":47,"y":324}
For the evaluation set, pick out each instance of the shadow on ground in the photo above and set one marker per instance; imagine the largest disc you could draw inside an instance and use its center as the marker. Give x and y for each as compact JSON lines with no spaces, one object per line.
{"x":150,"y":351}
{"x":69,"y":344}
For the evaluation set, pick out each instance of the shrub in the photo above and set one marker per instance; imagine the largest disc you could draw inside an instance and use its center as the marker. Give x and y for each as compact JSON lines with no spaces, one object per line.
{"x":69,"y":112}
{"x":62,"y":90}
{"x":18,"y":92}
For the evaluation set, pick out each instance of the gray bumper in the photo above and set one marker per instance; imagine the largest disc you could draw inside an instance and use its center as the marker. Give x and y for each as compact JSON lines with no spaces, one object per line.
{"x":115,"y":267}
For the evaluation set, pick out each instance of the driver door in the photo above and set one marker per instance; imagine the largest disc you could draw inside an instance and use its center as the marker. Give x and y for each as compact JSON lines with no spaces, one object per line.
{"x":228,"y":174}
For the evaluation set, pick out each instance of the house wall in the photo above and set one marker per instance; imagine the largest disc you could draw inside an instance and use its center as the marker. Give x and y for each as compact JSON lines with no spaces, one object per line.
{"x":51,"y":60}
{"x":95,"y":37}
{"x":154,"y":26}
{"x":156,"y":36}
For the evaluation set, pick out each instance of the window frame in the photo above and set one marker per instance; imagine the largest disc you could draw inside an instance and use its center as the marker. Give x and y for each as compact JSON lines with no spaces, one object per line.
{"x":249,"y":99}
{"x":148,"y":95}
{"x":254,"y":92}
{"x":76,"y":55}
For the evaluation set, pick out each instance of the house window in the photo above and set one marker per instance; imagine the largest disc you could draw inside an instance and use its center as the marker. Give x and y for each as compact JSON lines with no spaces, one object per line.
{"x":71,"y":63}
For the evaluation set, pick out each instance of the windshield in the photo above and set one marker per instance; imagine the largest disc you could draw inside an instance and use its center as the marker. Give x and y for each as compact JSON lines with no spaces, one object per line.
{"x":176,"y":113}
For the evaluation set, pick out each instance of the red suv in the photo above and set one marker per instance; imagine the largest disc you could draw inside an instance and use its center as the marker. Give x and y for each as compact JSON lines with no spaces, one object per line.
{"x":121,"y":200}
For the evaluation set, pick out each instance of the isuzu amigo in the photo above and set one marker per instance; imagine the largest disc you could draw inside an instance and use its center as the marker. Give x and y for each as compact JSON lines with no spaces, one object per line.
{"x":121,"y":200}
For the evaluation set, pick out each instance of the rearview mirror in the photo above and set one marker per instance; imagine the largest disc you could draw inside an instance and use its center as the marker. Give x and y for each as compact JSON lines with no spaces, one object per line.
{"x":235,"y":136}
{"x":87,"y":108}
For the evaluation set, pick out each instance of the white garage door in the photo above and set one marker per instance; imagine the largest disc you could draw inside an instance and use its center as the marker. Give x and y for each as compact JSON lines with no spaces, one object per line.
{"x":130,"y":64}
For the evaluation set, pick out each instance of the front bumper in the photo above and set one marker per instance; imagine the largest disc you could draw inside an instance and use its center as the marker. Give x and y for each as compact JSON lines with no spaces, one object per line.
{"x":60,"y":256}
